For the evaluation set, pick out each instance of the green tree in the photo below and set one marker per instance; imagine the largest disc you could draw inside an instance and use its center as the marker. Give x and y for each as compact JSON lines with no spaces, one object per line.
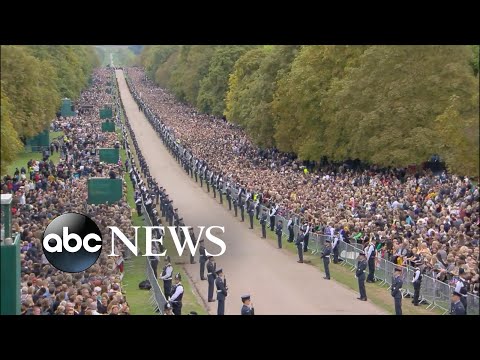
{"x":11,"y":145}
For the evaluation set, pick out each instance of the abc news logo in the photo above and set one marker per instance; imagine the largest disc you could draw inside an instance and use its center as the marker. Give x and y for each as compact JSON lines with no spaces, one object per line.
{"x":72,"y":242}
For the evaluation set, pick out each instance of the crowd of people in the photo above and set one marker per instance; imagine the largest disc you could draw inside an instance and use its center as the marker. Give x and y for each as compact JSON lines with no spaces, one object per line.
{"x":419,"y":218}
{"x":43,"y":190}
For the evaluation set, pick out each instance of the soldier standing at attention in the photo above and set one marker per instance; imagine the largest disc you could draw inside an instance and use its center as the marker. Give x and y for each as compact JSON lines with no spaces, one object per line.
{"x":241,"y":203}
{"x":273,"y":211}
{"x":263,"y":222}
{"x":194,"y":241}
{"x":220,"y":187}
{"x":235,"y":206}
{"x":397,"y":284}
{"x":457,"y":307}
{"x":291,"y":234}
{"x":202,"y":259}
{"x":167,"y":276}
{"x":247,"y":307}
{"x":229,"y":198}
{"x":417,"y":283}
{"x":279,"y":232}
{"x":251,"y":213}
{"x":221,"y":291}
{"x":211,"y":268}
{"x":299,"y":245}
{"x":207,"y":181}
{"x":360,"y":275}
{"x":213,"y":179}
{"x":177,"y":295}
{"x":327,"y":250}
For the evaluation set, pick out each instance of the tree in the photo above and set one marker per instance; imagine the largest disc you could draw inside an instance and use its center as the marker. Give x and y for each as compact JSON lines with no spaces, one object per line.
{"x":11,"y":145}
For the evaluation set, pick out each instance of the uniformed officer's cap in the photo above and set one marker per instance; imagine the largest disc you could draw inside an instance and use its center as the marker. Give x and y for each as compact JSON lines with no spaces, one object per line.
{"x":456,"y":293}
{"x":178,"y":276}
{"x":245,"y":297}
{"x":398,"y":269}
{"x":219,"y":271}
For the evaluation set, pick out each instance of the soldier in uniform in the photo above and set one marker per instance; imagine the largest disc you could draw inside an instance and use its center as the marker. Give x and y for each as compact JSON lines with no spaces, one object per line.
{"x":273,"y":211}
{"x":167,"y":276}
{"x":263,"y":222}
{"x":291,"y":234}
{"x":461,"y":287}
{"x":299,"y":245}
{"x":211,"y":275}
{"x":371,"y":254}
{"x":207,"y":180}
{"x":202,"y":259}
{"x":247,"y":307}
{"x":457,"y":307}
{"x":213,"y":179}
{"x":194,"y":241}
{"x":325,"y":255}
{"x":177,"y":295}
{"x":397,"y":284}
{"x":417,"y":283}
{"x":201,"y":177}
{"x":229,"y":198}
{"x":222,"y":289}
{"x":241,"y":204}
{"x":220,"y":189}
{"x":279,"y":232}
{"x":251,"y":213}
{"x":360,"y":275}
{"x":235,"y":206}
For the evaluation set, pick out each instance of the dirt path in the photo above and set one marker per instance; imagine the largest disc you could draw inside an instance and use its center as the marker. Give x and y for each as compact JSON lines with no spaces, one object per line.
{"x":277,"y":283}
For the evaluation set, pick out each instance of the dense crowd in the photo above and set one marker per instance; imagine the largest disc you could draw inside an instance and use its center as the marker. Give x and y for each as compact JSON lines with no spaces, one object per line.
{"x":43,"y":190}
{"x":419,"y":218}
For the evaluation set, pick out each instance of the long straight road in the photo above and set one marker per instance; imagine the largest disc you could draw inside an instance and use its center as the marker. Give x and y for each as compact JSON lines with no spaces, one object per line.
{"x":276,"y":282}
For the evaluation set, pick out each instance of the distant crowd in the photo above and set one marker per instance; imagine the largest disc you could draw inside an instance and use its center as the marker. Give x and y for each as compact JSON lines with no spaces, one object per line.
{"x":420,"y":218}
{"x":43,"y":190}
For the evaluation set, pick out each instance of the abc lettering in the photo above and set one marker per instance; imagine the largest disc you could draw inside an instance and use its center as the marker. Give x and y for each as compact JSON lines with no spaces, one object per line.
{"x":66,"y":238}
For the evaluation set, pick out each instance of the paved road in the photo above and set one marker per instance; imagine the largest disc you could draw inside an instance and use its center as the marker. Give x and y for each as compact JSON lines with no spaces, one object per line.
{"x":277,"y":283}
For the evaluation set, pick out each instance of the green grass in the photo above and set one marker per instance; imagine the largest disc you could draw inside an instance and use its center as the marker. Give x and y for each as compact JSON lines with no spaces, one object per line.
{"x":55,"y":134}
{"x":23,"y":158}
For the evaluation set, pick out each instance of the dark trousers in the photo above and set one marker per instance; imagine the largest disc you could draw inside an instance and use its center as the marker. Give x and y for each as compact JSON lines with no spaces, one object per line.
{"x":236,"y":210}
{"x":272,"y":222}
{"x":291,"y":235}
{"x":251,"y":220}
{"x":229,"y":203}
{"x":305,"y":243}
{"x":208,"y":186}
{"x":196,"y":177}
{"x":264,"y":231}
{"x":139,"y":210}
{"x":221,"y":196}
{"x":221,"y":307}
{"x":177,"y":308}
{"x":154,"y":263}
{"x":398,"y":305}
{"x":192,"y":259}
{"x":463,"y":300}
{"x":167,"y":287}
{"x":202,"y":270}
{"x":279,"y":240}
{"x":361,"y":286}
{"x":326,"y":265}
{"x":416,"y":292}
{"x":300,"y":252}
{"x":257,"y":212}
{"x":371,"y":269}
{"x":211,"y":283}
{"x":214,"y":192}
{"x":335,"y":254}
{"x":242,"y":213}
{"x":201,"y":181}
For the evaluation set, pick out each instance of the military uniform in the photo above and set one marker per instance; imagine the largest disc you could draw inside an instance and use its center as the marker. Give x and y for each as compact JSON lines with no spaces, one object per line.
{"x":235,"y":206}
{"x":263,"y":223}
{"x":273,"y":211}
{"x":229,"y":198}
{"x":251,"y":213}
{"x":335,"y":249}
{"x":291,"y":234}
{"x":360,"y":275}
{"x":241,"y":203}
{"x":211,"y":275}
{"x":221,"y":293}
{"x":299,"y":244}
{"x":246,"y":309}
{"x":327,"y":250}
{"x":457,"y":307}
{"x":417,"y":282}
{"x":397,"y":284}
{"x":202,"y":260}
{"x":371,"y":254}
{"x":306,"y":231}
{"x":279,"y":232}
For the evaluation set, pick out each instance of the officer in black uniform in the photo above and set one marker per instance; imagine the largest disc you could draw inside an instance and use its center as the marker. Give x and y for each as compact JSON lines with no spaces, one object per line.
{"x":461,"y":287}
{"x":335,"y":249}
{"x":220,"y":189}
{"x":397,"y":284}
{"x":222,"y":289}
{"x":325,"y":255}
{"x":457,"y":307}
{"x":202,"y":259}
{"x":371,"y":254}
{"x":299,"y":245}
{"x":207,"y":180}
{"x":241,"y":203}
{"x":177,"y":295}
{"x":360,"y":275}
{"x":291,"y":234}
{"x":417,"y":283}
{"x":235,"y":206}
{"x":251,"y":213}
{"x":195,"y":170}
{"x":273,"y":211}
{"x":201,"y":177}
{"x":167,"y":276}
{"x":263,"y":222}
{"x":279,"y":232}
{"x":229,"y":198}
{"x":214,"y":184}
{"x":247,"y":307}
{"x":211,"y":275}
{"x":194,"y":241}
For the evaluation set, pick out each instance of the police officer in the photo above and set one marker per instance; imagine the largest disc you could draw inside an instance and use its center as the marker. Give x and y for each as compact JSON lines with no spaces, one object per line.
{"x":229,"y":198}
{"x":279,"y":232}
{"x":263,"y":222}
{"x":194,"y":241}
{"x":235,"y":206}
{"x":202,"y":259}
{"x":251,"y":213}
{"x":207,"y":180}
{"x":213,"y":179}
{"x":247,"y":307}
{"x":291,"y":234}
{"x":461,"y":287}
{"x":417,"y":282}
{"x":138,"y":205}
{"x":457,"y":307}
{"x":177,"y":295}
{"x":167,"y":276}
{"x":335,"y":249}
{"x":241,"y":203}
{"x":360,"y":275}
{"x":306,"y":231}
{"x":299,"y":245}
{"x":221,"y":291}
{"x":211,"y":275}
{"x":220,"y":189}
{"x":325,"y":255}
{"x":371,"y":254}
{"x":273,"y":211}
{"x":397,"y":284}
